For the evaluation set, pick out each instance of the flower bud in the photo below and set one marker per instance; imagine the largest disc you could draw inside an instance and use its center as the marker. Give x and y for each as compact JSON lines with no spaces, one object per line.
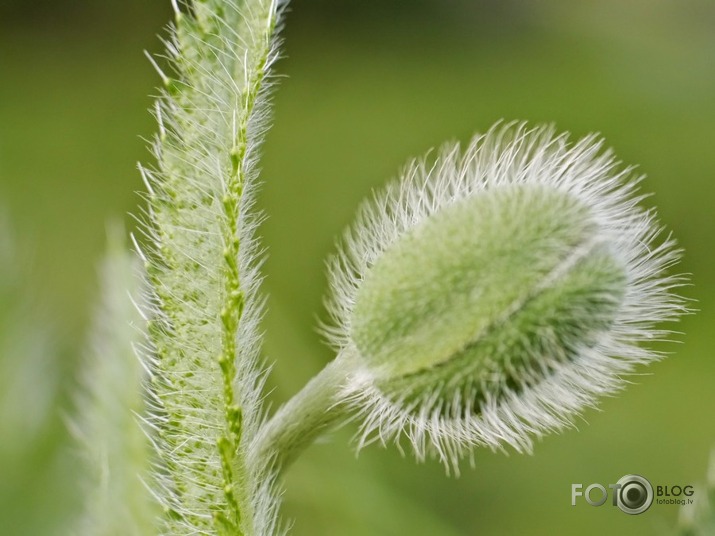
{"x":492,"y":295}
{"x":486,"y":294}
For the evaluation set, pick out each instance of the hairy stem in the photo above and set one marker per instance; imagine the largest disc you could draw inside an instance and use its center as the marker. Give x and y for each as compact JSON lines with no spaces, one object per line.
{"x":320,"y":406}
{"x":116,"y":449}
{"x":204,"y":268}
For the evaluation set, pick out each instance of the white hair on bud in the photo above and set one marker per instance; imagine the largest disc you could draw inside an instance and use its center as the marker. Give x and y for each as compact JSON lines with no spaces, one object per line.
{"x":510,"y":154}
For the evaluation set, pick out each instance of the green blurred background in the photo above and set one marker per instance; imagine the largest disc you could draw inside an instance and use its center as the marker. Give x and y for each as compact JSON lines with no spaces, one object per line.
{"x":369,"y":84}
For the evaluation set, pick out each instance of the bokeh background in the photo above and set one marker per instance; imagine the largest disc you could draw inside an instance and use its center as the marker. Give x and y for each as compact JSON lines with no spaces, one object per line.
{"x":368,"y":84}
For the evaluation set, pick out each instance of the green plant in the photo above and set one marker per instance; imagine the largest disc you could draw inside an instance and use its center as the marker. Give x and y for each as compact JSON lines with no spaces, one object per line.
{"x":483,"y":299}
{"x":108,"y":404}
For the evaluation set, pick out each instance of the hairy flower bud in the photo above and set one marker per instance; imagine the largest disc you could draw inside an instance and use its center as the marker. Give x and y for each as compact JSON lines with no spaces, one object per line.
{"x":474,"y":301}
{"x":489,"y":297}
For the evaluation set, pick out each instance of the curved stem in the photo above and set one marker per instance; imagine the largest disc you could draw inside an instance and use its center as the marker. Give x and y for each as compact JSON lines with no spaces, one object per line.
{"x":317,"y":408}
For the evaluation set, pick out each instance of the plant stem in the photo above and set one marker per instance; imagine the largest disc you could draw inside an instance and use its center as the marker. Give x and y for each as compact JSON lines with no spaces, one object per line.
{"x":317,"y":408}
{"x":203,"y":265}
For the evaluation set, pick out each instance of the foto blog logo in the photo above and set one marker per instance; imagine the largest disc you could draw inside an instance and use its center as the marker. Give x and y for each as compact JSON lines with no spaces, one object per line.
{"x":633,"y":494}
